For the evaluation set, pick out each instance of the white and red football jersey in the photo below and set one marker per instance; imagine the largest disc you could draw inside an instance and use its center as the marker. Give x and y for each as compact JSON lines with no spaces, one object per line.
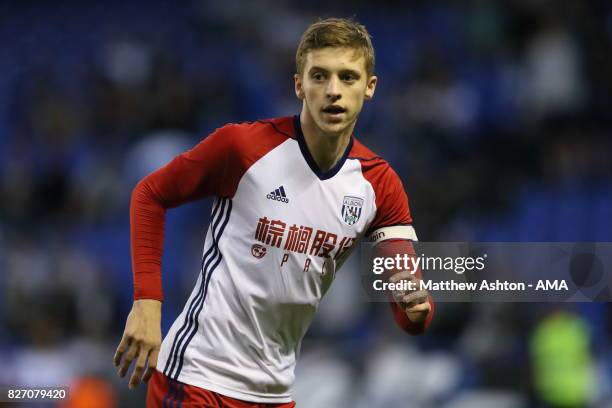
{"x":279,"y":230}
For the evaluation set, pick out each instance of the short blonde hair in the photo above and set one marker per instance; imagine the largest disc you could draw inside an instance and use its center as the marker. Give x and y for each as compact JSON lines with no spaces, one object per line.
{"x":336,"y":32}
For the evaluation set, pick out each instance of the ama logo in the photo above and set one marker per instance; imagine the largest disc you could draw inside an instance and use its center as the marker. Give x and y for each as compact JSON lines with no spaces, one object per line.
{"x":351,"y":209}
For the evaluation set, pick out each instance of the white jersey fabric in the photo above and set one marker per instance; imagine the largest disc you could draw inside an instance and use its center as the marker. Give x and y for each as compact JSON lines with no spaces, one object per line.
{"x":279,"y":231}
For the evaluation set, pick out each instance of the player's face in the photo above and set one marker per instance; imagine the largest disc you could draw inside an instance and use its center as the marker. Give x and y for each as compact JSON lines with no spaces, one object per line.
{"x":333,"y":87}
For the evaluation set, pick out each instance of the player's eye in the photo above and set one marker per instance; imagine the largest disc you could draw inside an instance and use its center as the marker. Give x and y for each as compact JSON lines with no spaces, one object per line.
{"x":318,"y":76}
{"x":348,"y":77}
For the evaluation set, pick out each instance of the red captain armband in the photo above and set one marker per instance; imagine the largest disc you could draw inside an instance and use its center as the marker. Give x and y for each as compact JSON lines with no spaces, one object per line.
{"x":390,"y":242}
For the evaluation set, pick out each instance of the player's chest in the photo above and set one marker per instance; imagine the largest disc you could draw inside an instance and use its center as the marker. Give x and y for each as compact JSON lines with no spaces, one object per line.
{"x":285,"y":205}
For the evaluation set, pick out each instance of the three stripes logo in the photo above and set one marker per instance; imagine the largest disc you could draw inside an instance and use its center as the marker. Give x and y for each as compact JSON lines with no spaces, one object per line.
{"x":278,"y":195}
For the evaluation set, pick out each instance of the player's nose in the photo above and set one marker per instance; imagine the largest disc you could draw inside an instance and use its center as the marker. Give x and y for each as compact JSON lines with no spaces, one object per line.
{"x":333,"y":88}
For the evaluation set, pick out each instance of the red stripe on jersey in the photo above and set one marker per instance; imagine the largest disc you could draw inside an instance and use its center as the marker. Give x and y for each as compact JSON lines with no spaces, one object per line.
{"x":213,"y":168}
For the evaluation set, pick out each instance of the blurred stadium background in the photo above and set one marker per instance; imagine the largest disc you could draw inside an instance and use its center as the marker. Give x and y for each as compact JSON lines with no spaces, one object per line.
{"x":496,"y":115}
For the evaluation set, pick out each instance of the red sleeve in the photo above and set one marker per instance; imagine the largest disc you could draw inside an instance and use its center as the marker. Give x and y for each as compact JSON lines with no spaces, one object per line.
{"x":213,"y":168}
{"x":197,"y":173}
{"x":391,"y":200}
{"x":390,"y":248}
{"x":391,"y":209}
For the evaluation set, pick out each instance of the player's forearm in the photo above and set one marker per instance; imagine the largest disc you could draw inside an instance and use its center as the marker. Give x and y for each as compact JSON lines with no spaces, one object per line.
{"x":391,"y":248}
{"x":147,"y":217}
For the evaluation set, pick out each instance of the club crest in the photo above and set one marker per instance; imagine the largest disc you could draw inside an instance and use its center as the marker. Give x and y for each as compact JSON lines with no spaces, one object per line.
{"x":351,"y":209}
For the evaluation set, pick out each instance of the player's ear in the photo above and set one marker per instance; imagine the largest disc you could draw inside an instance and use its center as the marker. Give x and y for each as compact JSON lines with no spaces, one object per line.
{"x":371,"y":86}
{"x":299,"y":90}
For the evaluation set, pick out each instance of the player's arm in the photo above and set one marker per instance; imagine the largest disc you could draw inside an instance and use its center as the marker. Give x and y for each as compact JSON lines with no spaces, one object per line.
{"x":412,"y":310}
{"x":393,"y":232}
{"x":190,"y":176}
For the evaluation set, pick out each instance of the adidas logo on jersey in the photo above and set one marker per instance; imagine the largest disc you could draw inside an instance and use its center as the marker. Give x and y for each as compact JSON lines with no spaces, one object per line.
{"x":278,"y":195}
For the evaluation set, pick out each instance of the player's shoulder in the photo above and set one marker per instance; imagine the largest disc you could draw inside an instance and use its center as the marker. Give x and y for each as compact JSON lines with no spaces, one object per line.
{"x":370,"y":161}
{"x":280,"y":128}
{"x":249,"y":141}
{"x":376,"y":170}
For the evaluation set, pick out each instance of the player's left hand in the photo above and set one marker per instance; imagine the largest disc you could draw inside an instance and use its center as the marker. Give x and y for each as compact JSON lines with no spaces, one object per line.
{"x":414,"y":302}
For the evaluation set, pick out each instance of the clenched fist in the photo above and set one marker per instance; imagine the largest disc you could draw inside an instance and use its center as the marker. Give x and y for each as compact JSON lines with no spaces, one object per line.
{"x":414,"y":302}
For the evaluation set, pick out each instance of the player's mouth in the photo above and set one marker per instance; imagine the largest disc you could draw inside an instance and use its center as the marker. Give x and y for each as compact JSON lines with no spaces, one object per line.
{"x":334,"y":111}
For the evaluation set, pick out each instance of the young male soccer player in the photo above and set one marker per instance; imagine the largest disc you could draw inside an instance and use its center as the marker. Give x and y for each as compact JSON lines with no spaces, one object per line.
{"x":293,"y":195}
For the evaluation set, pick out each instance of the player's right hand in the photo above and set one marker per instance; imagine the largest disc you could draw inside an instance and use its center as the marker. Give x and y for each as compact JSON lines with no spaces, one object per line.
{"x":141,"y":341}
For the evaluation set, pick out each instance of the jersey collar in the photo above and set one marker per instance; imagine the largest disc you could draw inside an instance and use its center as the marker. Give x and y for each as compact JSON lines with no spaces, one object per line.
{"x":323,"y":175}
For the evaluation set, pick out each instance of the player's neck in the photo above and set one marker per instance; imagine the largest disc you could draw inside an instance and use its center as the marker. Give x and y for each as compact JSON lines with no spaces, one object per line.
{"x":326,"y":149}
